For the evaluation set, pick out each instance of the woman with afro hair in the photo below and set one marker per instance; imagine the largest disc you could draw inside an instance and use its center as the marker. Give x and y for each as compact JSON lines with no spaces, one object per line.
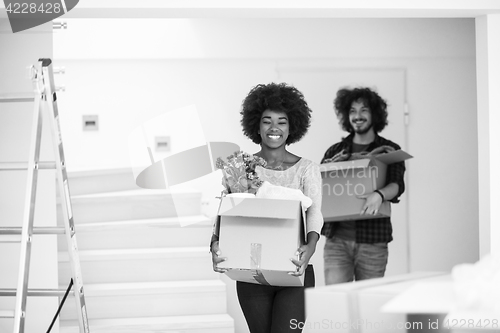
{"x":275,"y":116}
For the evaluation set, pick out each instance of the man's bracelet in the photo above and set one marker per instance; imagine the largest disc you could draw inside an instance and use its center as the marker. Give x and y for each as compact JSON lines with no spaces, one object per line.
{"x":381,"y":195}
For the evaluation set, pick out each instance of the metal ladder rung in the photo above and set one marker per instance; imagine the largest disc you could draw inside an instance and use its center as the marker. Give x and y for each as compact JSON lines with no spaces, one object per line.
{"x":17,"y":98}
{"x":24,"y":165}
{"x":13,"y":234}
{"x":44,"y":97}
{"x":36,"y":230}
{"x":36,"y":292}
{"x":6,"y":314}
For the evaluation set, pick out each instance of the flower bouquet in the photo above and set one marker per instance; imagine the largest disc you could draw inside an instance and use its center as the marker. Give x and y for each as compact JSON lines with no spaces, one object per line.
{"x":239,"y":172}
{"x":240,"y":177}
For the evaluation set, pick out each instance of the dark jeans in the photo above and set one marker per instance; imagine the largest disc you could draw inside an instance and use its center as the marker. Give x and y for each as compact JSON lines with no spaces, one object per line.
{"x":270,"y":309}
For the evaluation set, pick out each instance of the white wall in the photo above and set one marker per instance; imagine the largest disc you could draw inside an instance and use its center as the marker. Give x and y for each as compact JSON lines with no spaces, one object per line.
{"x":18,"y":52}
{"x":127,"y":80}
{"x":443,"y":207}
{"x":488,"y":77}
{"x":225,"y":58}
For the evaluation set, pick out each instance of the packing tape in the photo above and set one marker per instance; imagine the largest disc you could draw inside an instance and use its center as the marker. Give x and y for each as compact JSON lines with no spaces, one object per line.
{"x":255,"y":255}
{"x":259,"y":277}
{"x":255,"y":260}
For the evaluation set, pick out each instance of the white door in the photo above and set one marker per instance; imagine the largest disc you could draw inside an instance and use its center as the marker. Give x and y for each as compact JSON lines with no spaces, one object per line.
{"x":319,"y":86}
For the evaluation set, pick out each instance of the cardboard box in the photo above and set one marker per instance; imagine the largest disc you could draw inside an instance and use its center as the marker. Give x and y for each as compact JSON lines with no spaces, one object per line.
{"x":357,"y":307}
{"x":344,"y":181}
{"x":258,"y":237}
{"x":438,"y":300}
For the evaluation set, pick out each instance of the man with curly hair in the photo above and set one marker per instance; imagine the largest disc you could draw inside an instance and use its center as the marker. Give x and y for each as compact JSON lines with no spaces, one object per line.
{"x":357,"y":250}
{"x":274,"y":116}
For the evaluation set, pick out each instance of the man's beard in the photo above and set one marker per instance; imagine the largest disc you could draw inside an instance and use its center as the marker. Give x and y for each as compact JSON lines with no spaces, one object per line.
{"x":363,"y":130}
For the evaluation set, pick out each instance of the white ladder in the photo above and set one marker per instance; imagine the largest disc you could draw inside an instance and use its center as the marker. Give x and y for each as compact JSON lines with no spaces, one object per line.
{"x":44,"y":99}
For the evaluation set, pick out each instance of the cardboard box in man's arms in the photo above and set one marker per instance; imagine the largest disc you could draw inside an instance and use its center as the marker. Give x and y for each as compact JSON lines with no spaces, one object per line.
{"x":344,"y":181}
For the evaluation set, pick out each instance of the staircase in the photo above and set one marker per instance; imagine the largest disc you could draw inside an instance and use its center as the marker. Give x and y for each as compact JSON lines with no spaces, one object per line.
{"x":141,"y":270}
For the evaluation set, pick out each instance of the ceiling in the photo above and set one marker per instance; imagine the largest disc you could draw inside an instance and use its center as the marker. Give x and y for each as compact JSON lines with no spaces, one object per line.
{"x":280,"y":8}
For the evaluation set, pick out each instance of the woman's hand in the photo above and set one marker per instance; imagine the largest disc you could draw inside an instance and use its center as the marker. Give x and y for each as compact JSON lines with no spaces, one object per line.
{"x":214,"y":249}
{"x":304,"y":254}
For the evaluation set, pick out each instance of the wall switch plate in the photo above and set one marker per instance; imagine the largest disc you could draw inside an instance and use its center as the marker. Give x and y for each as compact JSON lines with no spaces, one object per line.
{"x":162,"y":143}
{"x":90,"y":122}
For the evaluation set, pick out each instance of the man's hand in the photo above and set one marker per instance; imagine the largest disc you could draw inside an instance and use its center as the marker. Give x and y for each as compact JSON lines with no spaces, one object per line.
{"x":382,"y":150}
{"x":341,"y":156}
{"x":372,"y":204}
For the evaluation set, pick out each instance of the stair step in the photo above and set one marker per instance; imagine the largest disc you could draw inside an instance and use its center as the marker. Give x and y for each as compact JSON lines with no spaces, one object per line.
{"x":134,"y":204}
{"x":193,"y":230}
{"x":144,"y":258}
{"x":141,"y":265}
{"x":220,"y":323}
{"x":100,"y":181}
{"x":151,"y":299}
{"x":7,"y":314}
{"x":10,"y":238}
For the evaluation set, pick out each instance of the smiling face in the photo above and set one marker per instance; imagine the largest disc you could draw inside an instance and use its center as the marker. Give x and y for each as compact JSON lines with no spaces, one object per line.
{"x":274,"y":128}
{"x":360,"y":117}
